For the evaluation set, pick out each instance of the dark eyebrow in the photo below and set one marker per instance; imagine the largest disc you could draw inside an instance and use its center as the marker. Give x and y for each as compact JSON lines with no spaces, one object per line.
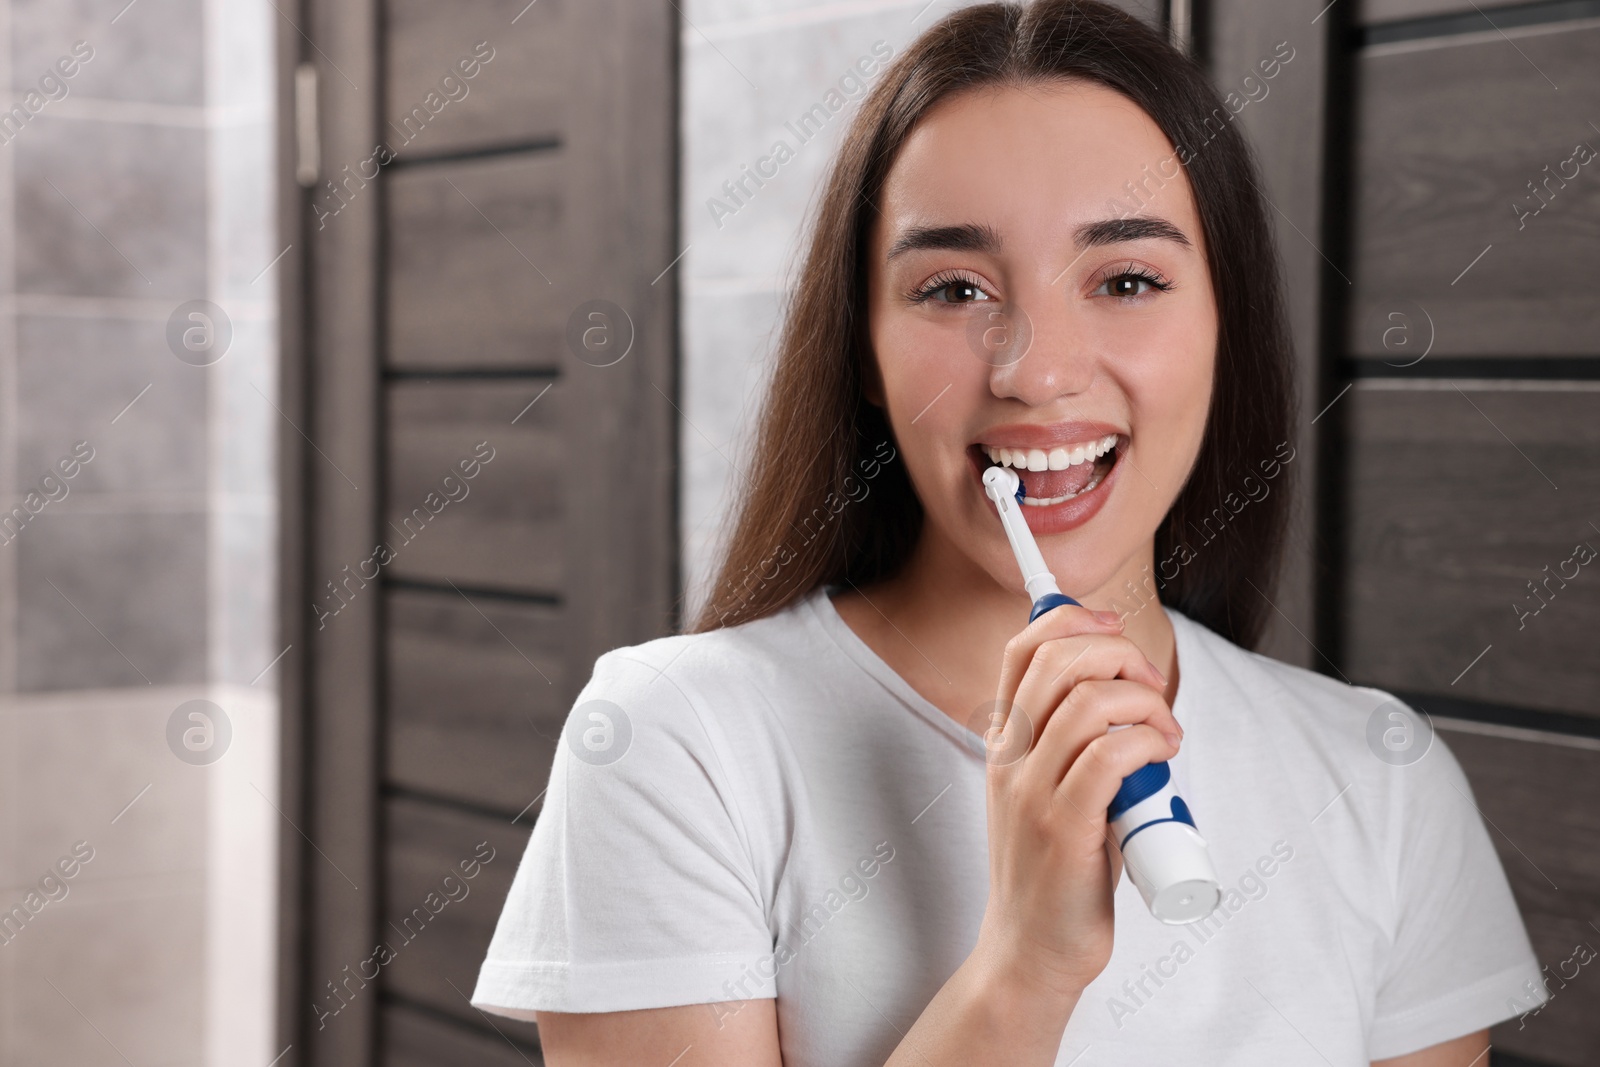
{"x":968,"y":237}
{"x":973,"y":237}
{"x":1135,"y":228}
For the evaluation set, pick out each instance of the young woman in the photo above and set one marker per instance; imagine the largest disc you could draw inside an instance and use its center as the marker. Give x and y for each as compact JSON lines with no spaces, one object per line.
{"x":778,"y":839}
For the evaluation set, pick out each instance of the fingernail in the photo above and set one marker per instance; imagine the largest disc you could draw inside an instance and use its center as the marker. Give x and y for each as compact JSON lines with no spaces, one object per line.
{"x":1173,"y":739}
{"x":1110,"y":618}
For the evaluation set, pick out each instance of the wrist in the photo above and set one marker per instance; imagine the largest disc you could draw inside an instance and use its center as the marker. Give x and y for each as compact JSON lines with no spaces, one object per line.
{"x":1020,"y":992}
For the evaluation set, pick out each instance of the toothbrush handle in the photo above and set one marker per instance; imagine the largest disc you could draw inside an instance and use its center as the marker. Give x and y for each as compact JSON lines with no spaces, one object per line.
{"x":1048,"y":601}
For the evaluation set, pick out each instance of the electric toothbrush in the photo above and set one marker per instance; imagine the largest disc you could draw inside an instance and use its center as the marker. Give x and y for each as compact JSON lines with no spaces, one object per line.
{"x":1165,"y":855}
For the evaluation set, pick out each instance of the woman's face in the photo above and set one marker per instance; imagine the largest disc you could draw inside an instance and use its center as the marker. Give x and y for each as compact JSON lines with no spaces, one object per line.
{"x":1038,"y":296}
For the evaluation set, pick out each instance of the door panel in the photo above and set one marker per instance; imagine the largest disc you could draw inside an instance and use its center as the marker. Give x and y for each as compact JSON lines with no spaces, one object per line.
{"x":437,"y":919}
{"x":1371,"y":11}
{"x":506,"y":530}
{"x":475,"y":251}
{"x":419,"y":1039}
{"x":1451,"y":518}
{"x":477,"y":696}
{"x":520,"y":484}
{"x":519,"y":96}
{"x":1452,"y":244}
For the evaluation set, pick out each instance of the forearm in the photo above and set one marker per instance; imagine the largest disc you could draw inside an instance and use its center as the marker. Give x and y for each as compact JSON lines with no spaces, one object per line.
{"x":987,"y":1013}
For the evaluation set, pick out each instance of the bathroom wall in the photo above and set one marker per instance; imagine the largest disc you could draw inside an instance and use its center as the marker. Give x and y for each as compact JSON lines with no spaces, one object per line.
{"x":137,"y":532}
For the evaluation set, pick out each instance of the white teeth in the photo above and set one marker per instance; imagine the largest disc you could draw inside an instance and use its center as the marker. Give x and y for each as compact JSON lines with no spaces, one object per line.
{"x":1056,"y":459}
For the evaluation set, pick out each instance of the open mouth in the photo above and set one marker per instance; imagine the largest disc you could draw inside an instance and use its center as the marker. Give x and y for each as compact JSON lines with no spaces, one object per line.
{"x":1055,"y":475}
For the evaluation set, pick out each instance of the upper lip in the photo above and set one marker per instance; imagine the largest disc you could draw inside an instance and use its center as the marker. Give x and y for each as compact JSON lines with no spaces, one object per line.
{"x":1046,"y":436}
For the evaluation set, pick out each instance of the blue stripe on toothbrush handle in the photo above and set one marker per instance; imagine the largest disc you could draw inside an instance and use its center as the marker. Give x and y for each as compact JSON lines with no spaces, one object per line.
{"x":1048,"y":601}
{"x":1142,"y":783}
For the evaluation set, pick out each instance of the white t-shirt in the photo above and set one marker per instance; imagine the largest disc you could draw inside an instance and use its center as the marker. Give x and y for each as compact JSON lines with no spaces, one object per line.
{"x":783,"y":815}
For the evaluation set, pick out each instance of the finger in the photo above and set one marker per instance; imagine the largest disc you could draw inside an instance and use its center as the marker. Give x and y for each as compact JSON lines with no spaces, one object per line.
{"x":1066,"y":621}
{"x":1088,"y":712}
{"x":1095,"y":776}
{"x":1061,"y":664}
{"x":1056,"y":665}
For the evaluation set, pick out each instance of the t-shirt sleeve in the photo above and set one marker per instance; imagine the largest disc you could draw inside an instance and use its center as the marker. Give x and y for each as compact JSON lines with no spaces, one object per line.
{"x":1460,"y":959}
{"x":636,"y":889}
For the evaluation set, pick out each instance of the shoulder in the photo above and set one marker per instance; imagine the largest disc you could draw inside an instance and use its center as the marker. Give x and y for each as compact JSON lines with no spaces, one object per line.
{"x":701,"y":676}
{"x":690,"y":722}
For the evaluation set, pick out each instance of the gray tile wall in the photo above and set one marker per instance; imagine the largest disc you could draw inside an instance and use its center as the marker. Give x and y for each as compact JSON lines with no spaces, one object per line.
{"x":141,"y":181}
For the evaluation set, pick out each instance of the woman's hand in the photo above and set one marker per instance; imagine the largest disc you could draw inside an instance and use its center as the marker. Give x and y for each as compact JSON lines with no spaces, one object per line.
{"x":1053,"y":770}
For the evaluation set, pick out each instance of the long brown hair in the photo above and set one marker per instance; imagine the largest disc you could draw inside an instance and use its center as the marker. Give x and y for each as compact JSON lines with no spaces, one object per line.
{"x":827,"y":502}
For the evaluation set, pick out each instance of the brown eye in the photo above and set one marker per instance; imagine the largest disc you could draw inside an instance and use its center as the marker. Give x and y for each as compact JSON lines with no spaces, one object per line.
{"x":1133,"y":283}
{"x":949,"y":289}
{"x":961,"y":293}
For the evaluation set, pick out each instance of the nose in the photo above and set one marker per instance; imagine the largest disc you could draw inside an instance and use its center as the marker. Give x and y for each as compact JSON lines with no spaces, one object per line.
{"x":1046,"y":355}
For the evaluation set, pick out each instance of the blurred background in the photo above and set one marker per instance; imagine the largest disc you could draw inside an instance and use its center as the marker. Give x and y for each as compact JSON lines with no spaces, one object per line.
{"x":370,"y":366}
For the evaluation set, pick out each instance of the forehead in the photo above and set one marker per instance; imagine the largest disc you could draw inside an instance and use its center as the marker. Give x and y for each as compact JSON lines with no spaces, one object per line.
{"x":1033,"y":160}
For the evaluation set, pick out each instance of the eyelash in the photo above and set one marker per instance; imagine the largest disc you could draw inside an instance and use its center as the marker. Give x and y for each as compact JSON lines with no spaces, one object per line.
{"x":1134,"y":270}
{"x":945,"y":279}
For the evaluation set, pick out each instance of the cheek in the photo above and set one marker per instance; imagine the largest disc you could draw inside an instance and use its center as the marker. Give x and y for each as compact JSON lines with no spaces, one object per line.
{"x":1177,"y":378}
{"x":913,"y":349}
{"x":1168,"y":381}
{"x":922,"y":350}
{"x":1177,"y":399}
{"x":1185,"y":384}
{"x":932,"y":387}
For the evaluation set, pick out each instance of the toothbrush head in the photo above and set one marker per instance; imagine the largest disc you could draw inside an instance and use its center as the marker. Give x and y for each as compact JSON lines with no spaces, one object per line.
{"x":1004,"y":488}
{"x":1002,"y":480}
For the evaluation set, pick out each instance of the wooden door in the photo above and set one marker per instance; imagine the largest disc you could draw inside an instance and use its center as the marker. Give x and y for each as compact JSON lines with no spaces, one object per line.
{"x":479,"y":501}
{"x":1440,"y":229}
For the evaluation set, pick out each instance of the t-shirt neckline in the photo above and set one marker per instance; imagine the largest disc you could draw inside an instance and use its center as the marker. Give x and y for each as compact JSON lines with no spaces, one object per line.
{"x":820,"y":604}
